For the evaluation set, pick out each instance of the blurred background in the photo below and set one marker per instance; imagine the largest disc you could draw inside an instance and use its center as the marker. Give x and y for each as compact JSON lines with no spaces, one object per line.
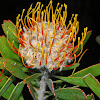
{"x":88,"y":16}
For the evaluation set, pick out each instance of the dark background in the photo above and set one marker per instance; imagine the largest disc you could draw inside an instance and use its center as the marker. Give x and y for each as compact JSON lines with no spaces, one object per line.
{"x":88,"y":16}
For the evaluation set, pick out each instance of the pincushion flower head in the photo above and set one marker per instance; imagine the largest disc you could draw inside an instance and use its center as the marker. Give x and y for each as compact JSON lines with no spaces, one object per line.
{"x":45,"y":39}
{"x":42,"y":40}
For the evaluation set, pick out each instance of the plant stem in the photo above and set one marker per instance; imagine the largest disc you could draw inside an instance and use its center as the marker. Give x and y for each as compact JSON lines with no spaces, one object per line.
{"x":41,"y":91}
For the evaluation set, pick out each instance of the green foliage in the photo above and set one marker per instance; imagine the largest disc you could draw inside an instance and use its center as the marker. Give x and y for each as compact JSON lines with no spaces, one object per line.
{"x":5,"y":86}
{"x":1,"y":60}
{"x":8,"y":91}
{"x":84,"y":42}
{"x":31,"y":90}
{"x":50,"y":85}
{"x":16,"y":91}
{"x":70,"y":94}
{"x":74,"y":80}
{"x":93,"y":83}
{"x":90,"y":97}
{"x":6,"y":50}
{"x":31,"y":78}
{"x":69,"y":68}
{"x":20,"y":98}
{"x":15,"y":69}
{"x":9,"y":27}
{"x":77,"y":78}
{"x":94,"y":70}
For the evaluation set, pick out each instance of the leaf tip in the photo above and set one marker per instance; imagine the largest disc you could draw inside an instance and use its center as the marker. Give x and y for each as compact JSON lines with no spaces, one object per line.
{"x":9,"y":20}
{"x":4,"y":21}
{"x":2,"y":36}
{"x":89,"y":31}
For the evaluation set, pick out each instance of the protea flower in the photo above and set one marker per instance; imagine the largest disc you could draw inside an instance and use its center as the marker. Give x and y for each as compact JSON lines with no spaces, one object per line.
{"x":45,"y":40}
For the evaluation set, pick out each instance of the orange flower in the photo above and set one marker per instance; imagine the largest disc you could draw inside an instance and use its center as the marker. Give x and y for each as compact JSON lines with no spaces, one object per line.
{"x":44,"y":38}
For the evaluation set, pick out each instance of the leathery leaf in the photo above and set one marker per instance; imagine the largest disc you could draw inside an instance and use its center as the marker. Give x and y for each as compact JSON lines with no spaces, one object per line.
{"x":9,"y":27}
{"x":74,"y":80}
{"x":15,"y":69}
{"x":5,"y":86}
{"x":29,"y":85}
{"x":69,"y":68}
{"x":93,"y":83}
{"x":90,"y":97}
{"x":6,"y":50}
{"x":31,"y":78}
{"x":16,"y":91}
{"x":84,"y":42}
{"x":49,"y":82}
{"x":21,"y":98}
{"x":1,"y":60}
{"x":3,"y":80}
{"x":94,"y":70}
{"x":70,"y":94}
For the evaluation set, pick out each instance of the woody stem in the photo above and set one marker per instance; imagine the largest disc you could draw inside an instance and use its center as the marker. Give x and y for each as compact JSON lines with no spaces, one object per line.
{"x":41,"y":91}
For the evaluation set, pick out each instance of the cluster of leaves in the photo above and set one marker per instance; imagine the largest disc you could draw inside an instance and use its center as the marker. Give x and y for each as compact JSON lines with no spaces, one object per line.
{"x":11,"y":89}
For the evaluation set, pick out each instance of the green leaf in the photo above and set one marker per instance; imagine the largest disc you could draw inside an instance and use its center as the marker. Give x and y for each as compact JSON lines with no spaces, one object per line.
{"x":70,"y":94}
{"x":84,"y":42}
{"x":93,"y":83}
{"x":90,"y":97}
{"x":74,"y":80}
{"x":3,"y":79}
{"x":21,"y":98}
{"x":58,"y":81}
{"x":5,"y":86}
{"x":23,"y":68}
{"x":49,"y":82}
{"x":16,"y":91}
{"x":31,"y":78}
{"x":6,"y":50}
{"x":15,"y":69}
{"x":1,"y":60}
{"x":94,"y":70}
{"x":9,"y":89}
{"x":71,"y":67}
{"x":68,"y":68}
{"x":10,"y":27}
{"x":29,"y":85}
